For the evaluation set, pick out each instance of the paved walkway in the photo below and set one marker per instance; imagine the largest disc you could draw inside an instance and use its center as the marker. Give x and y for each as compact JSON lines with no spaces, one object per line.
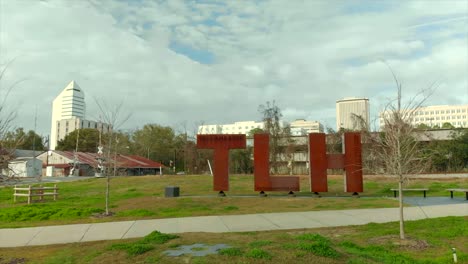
{"x":46,"y":235}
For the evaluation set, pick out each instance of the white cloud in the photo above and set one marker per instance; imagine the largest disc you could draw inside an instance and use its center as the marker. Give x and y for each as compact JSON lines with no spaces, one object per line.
{"x":305,"y":55}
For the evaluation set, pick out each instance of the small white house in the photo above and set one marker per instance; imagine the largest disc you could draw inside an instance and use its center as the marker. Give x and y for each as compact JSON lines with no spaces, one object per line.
{"x":25,"y":167}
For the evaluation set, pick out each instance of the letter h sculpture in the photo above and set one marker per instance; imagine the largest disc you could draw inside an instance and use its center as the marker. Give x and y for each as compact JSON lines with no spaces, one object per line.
{"x":350,"y":161}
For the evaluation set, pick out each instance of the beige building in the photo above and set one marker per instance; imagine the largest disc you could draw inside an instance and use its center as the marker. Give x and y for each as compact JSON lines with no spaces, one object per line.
{"x":302,"y":127}
{"x":243,"y":127}
{"x":347,"y":109}
{"x":436,"y":116}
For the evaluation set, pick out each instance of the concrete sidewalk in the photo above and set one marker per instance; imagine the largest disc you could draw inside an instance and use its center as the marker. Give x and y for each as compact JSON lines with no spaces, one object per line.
{"x":47,"y":235}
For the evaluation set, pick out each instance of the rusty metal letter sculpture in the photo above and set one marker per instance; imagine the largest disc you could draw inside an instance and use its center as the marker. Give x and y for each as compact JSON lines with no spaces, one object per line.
{"x":320,"y":161}
{"x":350,"y":161}
{"x":221,"y":144}
{"x":263,"y":180}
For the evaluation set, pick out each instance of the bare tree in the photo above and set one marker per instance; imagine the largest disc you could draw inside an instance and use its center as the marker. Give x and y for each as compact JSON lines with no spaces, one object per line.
{"x":113,"y":116}
{"x":396,"y":148}
{"x":7,"y":117}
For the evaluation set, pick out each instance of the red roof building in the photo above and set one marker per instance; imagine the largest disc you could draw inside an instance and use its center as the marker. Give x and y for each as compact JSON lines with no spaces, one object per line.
{"x":87,"y":164}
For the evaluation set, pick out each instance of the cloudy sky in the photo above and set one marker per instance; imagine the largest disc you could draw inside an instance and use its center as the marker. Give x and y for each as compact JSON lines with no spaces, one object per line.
{"x":186,"y":62}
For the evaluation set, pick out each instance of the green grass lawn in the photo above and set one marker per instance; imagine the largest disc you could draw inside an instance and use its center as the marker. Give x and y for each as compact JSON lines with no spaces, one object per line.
{"x":143,"y":197}
{"x":429,"y":242}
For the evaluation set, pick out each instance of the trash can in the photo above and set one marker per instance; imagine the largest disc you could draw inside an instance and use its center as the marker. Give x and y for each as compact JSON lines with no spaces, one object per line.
{"x":172,"y":191}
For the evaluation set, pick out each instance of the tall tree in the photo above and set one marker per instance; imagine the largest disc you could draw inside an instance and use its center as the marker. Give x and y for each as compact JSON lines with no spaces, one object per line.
{"x":88,"y":140}
{"x":21,"y":140}
{"x":271,"y":119}
{"x":155,"y":142}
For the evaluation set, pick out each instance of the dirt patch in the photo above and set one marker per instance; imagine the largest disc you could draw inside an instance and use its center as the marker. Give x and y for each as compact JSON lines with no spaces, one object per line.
{"x":12,"y":261}
{"x":408,"y":243}
{"x":102,"y":215}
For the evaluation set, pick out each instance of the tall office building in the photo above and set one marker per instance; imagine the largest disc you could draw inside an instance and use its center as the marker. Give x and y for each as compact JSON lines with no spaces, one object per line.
{"x":68,"y":104}
{"x":347,"y":109}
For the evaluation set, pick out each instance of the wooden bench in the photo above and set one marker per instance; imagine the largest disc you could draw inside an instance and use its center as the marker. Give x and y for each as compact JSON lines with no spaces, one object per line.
{"x":36,"y":191}
{"x":424,"y":190}
{"x":458,"y":190}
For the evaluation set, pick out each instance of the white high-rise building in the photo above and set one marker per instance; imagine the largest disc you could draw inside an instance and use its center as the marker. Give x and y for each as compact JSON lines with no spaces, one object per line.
{"x":68,"y":114}
{"x":68,"y":104}
{"x":435,"y":116}
{"x":346,"y":109}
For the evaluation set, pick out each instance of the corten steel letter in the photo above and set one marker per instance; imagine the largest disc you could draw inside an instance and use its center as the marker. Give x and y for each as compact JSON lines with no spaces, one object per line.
{"x":318,"y":162}
{"x":353,"y":162}
{"x":263,"y":181}
{"x":350,"y":161}
{"x":221,"y":144}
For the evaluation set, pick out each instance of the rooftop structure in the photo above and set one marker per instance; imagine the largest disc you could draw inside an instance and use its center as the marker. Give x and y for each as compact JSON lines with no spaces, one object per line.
{"x":349,"y":110}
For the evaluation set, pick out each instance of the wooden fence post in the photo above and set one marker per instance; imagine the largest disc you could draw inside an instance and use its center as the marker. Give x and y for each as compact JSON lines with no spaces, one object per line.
{"x":55,"y":192}
{"x":29,"y":195}
{"x":14,"y":195}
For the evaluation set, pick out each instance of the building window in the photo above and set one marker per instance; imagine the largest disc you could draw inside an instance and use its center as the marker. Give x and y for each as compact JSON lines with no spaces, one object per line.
{"x":437,"y":112}
{"x":453,"y":111}
{"x":442,"y":111}
{"x":458,"y":110}
{"x":432,"y":112}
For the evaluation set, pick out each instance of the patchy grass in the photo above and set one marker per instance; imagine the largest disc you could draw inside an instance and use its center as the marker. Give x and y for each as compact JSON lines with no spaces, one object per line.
{"x":142,"y":198}
{"x":339,"y":245}
{"x":144,"y":245}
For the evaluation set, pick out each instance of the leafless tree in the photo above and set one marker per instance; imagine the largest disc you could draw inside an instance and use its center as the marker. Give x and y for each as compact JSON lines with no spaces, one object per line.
{"x":396,"y":148}
{"x":7,"y":117}
{"x":112,"y":115}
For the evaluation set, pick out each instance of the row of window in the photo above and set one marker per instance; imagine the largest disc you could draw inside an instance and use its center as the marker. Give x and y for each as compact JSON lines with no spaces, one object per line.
{"x":459,"y":123}
{"x":439,"y":118}
{"x":452,"y":111}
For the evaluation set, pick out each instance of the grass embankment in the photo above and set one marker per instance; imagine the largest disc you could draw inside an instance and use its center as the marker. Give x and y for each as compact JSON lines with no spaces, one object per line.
{"x":143,"y":197}
{"x":430,"y":241}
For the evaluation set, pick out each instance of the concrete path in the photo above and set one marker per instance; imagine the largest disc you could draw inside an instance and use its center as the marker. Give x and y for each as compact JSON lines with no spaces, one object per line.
{"x":47,"y":235}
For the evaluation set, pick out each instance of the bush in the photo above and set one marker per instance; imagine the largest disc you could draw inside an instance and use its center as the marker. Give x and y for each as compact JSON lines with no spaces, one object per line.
{"x":230,"y":252}
{"x":258,"y":254}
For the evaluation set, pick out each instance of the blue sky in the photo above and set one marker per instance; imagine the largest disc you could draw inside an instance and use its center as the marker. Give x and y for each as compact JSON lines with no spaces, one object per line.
{"x":183,"y":63}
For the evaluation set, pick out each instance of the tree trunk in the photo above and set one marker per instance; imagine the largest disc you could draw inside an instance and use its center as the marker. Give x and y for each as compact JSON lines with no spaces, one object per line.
{"x":107,"y":193}
{"x":400,"y":200}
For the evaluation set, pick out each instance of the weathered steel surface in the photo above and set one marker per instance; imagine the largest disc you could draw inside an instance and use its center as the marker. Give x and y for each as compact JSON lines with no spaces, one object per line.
{"x":350,"y":161}
{"x":221,"y":144}
{"x":318,"y":162}
{"x":353,"y":162}
{"x":335,"y":161}
{"x":263,"y":180}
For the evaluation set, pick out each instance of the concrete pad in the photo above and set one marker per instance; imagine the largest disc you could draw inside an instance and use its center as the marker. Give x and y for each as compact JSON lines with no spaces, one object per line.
{"x":382,"y":215}
{"x":245,"y":223}
{"x":107,"y":231}
{"x":18,"y":237}
{"x":142,"y":228}
{"x":212,"y":224}
{"x":292,"y":221}
{"x":59,"y":234}
{"x":445,"y":210}
{"x":333,"y":218}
